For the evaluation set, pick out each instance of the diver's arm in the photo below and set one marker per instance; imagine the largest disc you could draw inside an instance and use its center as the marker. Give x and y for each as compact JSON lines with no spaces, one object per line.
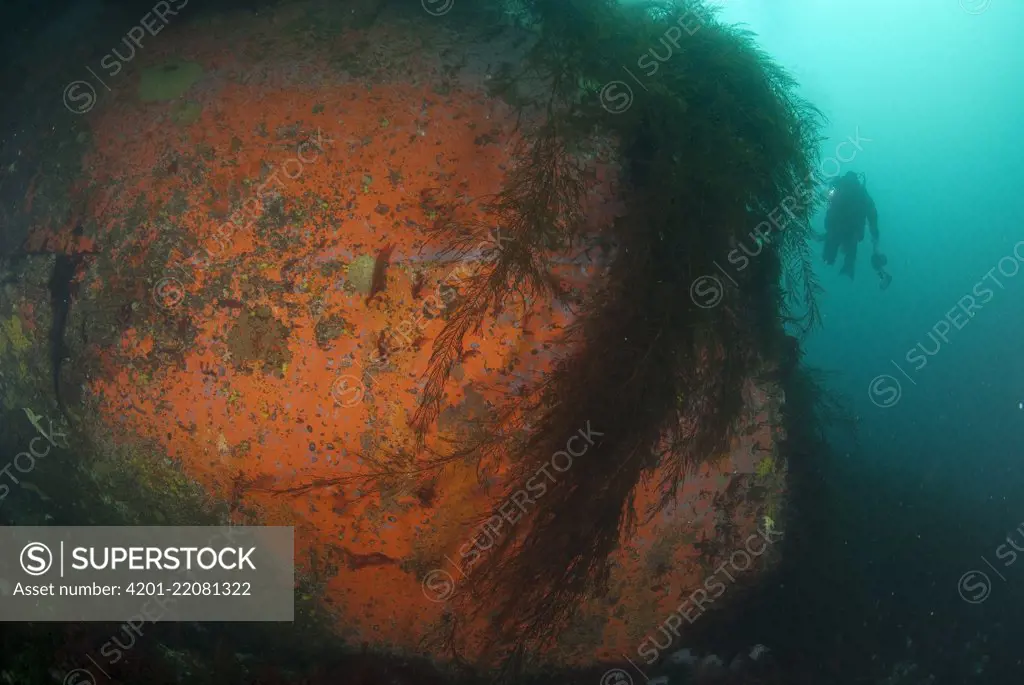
{"x":830,"y":220}
{"x":873,"y":222}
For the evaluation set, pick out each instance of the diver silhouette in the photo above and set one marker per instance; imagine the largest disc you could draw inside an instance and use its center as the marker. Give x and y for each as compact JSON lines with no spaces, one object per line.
{"x":849,"y":209}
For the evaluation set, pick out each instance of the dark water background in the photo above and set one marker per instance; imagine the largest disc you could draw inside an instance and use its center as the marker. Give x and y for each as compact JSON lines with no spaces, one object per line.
{"x":936,"y":481}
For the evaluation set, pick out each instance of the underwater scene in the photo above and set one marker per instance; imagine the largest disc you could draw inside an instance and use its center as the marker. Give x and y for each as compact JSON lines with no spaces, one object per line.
{"x":540,"y":342}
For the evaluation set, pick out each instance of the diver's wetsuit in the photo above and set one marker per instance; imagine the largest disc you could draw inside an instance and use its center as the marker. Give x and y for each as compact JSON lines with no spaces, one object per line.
{"x":850,"y":208}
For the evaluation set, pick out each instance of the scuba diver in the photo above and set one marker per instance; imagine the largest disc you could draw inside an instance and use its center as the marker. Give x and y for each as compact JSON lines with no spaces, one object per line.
{"x":849,"y":208}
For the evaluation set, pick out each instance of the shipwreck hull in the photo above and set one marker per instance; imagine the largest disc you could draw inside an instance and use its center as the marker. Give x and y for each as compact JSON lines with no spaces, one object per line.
{"x":258,"y":319}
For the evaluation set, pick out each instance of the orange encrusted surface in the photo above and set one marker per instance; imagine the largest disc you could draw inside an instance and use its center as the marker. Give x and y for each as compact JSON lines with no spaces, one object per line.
{"x":289,"y":206}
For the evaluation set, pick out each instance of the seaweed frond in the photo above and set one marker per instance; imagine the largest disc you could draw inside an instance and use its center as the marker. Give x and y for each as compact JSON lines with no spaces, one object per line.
{"x":716,"y":143}
{"x":537,"y":216}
